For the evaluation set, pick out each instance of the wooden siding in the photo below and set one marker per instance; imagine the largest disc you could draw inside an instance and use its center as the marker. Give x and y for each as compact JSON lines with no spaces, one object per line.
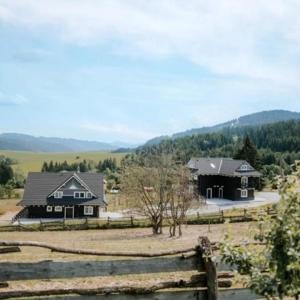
{"x":231,"y":186}
{"x":41,"y":212}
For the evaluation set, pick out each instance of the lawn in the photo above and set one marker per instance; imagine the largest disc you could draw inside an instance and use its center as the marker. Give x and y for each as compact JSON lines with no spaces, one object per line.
{"x":32,"y":161}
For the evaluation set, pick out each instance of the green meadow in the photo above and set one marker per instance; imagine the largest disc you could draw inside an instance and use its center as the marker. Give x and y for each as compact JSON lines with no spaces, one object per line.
{"x":32,"y":161}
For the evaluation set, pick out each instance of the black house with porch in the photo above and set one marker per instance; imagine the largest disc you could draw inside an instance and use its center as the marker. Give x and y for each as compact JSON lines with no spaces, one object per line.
{"x":63,"y":195}
{"x":224,"y":178}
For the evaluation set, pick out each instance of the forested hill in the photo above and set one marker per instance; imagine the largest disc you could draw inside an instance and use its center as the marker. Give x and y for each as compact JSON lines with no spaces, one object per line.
{"x":259,"y":118}
{"x":24,"y":142}
{"x":276,"y":142}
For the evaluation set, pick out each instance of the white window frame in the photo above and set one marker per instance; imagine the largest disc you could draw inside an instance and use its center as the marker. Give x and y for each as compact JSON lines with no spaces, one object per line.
{"x":221,"y":193}
{"x":244,"y":167}
{"x":88,"y":210}
{"x":82,"y":195}
{"x":58,"y":194}
{"x":244,"y":193}
{"x":244,"y":178}
{"x":58,"y":209}
{"x":209,"y":190}
{"x":49,"y":208}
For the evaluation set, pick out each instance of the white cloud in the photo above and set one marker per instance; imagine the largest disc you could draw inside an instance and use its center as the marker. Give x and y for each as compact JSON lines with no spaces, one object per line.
{"x":251,"y":38}
{"x":17,"y":99}
{"x":119,"y":131}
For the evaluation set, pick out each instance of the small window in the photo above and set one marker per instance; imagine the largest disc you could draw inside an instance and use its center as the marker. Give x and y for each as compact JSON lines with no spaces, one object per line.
{"x":244,"y":181}
{"x":244,"y":193}
{"x":58,"y":195}
{"x":81,"y":194}
{"x":76,"y":194}
{"x":58,"y":208}
{"x":88,"y":195}
{"x":244,"y":167}
{"x":49,"y":208}
{"x":88,"y":210}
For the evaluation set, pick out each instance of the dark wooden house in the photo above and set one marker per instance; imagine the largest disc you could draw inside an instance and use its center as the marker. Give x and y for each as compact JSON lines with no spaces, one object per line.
{"x":63,"y":195}
{"x":224,"y":178}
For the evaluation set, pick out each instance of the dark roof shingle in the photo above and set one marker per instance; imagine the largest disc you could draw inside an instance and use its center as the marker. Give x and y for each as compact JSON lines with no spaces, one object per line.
{"x":39,"y":185}
{"x":221,"y":166}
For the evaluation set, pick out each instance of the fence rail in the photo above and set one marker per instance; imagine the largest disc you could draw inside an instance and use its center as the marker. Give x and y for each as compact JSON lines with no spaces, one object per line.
{"x":245,"y":215}
{"x":205,"y":283}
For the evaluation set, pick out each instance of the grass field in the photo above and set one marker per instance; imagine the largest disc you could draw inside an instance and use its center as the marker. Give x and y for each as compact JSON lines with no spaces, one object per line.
{"x":32,"y":161}
{"x":136,"y":240}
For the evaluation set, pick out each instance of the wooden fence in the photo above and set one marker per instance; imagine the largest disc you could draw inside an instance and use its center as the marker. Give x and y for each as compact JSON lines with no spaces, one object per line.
{"x":207,"y":282}
{"x":242,"y":215}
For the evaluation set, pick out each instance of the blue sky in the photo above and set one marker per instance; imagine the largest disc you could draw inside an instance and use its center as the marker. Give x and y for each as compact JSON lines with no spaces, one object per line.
{"x":130,"y":70}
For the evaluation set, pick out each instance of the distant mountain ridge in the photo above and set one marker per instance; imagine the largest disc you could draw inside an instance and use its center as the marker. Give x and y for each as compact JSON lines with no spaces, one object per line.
{"x":255,"y":119}
{"x":24,"y":142}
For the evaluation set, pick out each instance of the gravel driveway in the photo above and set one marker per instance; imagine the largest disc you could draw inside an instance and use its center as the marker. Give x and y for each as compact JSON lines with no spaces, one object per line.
{"x":216,"y":204}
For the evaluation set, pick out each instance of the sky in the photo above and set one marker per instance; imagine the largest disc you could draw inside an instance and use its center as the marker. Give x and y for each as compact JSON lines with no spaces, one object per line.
{"x":130,"y":70}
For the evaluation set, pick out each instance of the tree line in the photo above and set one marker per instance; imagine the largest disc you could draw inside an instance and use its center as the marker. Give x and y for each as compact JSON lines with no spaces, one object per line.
{"x":108,"y":167}
{"x":277,"y":147}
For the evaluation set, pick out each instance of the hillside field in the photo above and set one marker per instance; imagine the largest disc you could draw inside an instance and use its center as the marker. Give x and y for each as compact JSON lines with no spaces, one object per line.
{"x":32,"y":161}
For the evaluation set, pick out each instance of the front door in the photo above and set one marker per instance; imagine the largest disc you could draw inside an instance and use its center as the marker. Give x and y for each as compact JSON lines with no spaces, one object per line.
{"x":220,"y":193}
{"x":69,"y":212}
{"x":209,"y":193}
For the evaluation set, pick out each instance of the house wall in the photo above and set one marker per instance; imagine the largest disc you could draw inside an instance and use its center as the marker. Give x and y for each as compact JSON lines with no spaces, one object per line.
{"x":41,"y":212}
{"x":231,"y":186}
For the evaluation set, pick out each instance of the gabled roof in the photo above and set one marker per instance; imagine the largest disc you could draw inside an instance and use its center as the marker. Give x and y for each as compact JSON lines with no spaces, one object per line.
{"x":78,"y":179}
{"x":39,"y":185}
{"x":222,"y":166}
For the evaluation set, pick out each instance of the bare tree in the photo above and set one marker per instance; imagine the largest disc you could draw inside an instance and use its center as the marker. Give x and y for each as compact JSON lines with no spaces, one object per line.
{"x":160,"y":189}
{"x":180,"y":200}
{"x":149,"y":188}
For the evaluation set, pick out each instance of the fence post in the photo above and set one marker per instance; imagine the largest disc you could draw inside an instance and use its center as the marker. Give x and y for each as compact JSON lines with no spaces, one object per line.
{"x":210,"y":268}
{"x":198,"y":217}
{"x":108,"y":221}
{"x":268,"y":210}
{"x":222,"y":216}
{"x":245,"y":213}
{"x":131,"y":221}
{"x":19,"y":225}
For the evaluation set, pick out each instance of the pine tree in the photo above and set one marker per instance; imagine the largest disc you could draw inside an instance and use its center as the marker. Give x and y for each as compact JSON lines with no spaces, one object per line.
{"x":249,"y":153}
{"x":45,"y":167}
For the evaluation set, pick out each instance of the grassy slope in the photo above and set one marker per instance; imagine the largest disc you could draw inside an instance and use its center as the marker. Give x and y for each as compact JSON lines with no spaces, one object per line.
{"x":32,"y":161}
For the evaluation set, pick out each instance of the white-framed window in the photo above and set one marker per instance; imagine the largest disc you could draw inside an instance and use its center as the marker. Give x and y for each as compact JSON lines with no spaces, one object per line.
{"x":49,"y":208}
{"x":81,"y":195}
{"x":88,"y":210}
{"x":58,"y":208}
{"x":244,"y":181}
{"x":244,"y":193}
{"x":58,"y":194}
{"x":244,"y":167}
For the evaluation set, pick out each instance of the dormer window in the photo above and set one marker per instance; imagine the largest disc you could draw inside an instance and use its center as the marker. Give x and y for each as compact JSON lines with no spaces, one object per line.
{"x":79,"y":195}
{"x":58,"y":194}
{"x":88,"y":195}
{"x":244,"y":168}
